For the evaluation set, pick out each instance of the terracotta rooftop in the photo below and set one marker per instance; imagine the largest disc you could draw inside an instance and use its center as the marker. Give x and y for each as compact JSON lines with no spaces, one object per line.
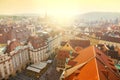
{"x":80,"y":43}
{"x":92,"y":64}
{"x":10,"y":33}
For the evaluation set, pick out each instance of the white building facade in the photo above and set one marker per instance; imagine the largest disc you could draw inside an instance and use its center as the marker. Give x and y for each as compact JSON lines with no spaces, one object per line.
{"x":54,"y":43}
{"x":39,"y":54}
{"x":20,"y":58}
{"x":6,"y":67}
{"x":14,"y":61}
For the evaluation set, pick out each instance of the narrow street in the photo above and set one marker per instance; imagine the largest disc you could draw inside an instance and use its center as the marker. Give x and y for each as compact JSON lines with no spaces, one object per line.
{"x":51,"y":73}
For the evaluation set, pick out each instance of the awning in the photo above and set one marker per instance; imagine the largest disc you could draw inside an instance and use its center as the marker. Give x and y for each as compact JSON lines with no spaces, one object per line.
{"x":40,"y":65}
{"x":37,"y":67}
{"x":33,"y":69}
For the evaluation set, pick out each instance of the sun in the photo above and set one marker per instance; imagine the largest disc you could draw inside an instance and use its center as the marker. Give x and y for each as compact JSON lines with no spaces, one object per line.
{"x":61,"y":8}
{"x":62,"y":13}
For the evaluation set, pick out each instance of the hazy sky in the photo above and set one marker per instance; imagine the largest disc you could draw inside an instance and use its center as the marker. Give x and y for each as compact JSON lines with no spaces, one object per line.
{"x":67,"y":7}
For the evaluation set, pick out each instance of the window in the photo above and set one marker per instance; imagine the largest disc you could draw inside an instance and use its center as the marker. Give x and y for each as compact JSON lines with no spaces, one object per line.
{"x":5,"y":69}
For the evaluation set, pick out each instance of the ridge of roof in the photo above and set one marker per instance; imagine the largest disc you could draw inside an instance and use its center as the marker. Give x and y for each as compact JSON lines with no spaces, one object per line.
{"x":92,"y":51}
{"x":96,"y":63}
{"x":77,"y":67}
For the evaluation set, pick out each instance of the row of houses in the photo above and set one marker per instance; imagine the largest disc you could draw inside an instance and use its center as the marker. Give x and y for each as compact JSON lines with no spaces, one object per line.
{"x":13,"y":32}
{"x":16,"y":56}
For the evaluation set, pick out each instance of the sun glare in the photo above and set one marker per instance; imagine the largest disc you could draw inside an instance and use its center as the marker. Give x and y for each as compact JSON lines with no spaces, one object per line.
{"x":63,"y":16}
{"x":61,"y":8}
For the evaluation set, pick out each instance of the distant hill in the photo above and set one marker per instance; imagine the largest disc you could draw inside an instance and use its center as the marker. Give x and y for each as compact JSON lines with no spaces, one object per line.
{"x":92,"y":16}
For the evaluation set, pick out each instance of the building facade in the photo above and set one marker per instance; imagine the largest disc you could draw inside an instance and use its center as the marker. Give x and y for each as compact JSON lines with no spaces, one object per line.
{"x":38,"y":49}
{"x":14,"y":59}
{"x":6,"y":66}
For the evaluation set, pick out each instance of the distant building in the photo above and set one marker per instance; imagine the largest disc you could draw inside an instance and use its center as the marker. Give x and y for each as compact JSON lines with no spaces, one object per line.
{"x":69,"y":34}
{"x":15,"y":32}
{"x":32,"y":29}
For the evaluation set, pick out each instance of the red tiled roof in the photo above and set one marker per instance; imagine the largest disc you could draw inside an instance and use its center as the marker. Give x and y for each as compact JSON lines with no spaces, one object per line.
{"x":100,"y":67}
{"x":80,"y":43}
{"x":111,"y":39}
{"x":10,"y":33}
{"x":77,"y":49}
{"x":36,"y":42}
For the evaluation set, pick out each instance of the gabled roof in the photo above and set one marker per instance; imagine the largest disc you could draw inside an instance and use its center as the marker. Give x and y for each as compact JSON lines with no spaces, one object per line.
{"x":68,"y":47}
{"x":93,"y":65}
{"x":75,"y":45}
